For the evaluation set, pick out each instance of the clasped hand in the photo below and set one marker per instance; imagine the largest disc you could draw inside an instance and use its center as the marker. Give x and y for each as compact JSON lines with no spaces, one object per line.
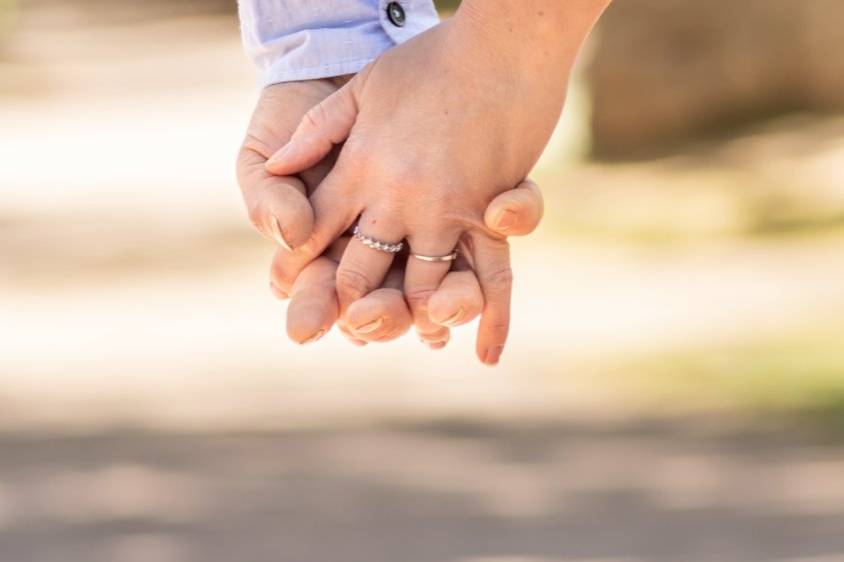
{"x":430,"y":145}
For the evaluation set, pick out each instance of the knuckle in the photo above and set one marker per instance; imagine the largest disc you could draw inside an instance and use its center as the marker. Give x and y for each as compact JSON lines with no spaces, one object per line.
{"x":314,"y":118}
{"x":353,"y":283}
{"x":254,"y":147}
{"x":498,"y":330}
{"x":499,"y":279}
{"x":250,"y":160}
{"x":242,"y":165}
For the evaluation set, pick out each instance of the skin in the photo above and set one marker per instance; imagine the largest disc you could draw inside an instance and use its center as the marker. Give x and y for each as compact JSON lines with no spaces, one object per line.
{"x":310,"y":283}
{"x":423,"y":158}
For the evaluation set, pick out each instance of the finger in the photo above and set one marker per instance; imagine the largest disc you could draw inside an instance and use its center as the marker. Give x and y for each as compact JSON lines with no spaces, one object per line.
{"x":363,"y":268}
{"x":458,"y":299}
{"x":324,"y":125}
{"x":381,"y":315}
{"x":492,"y":265}
{"x":285,"y":269}
{"x":320,"y":299}
{"x":286,"y":266}
{"x":516,"y":212}
{"x":278,"y":292}
{"x":278,"y":206}
{"x":423,"y":278}
{"x":335,"y":210}
{"x":350,"y":337}
{"x":313,"y":305}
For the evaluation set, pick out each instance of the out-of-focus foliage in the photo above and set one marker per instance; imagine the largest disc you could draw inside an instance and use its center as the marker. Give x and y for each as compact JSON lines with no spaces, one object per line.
{"x":796,"y":374}
{"x":665,"y":71}
{"x":7,"y":12}
{"x":447,"y":4}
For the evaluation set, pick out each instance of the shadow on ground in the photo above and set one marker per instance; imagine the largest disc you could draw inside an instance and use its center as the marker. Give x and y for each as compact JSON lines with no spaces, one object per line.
{"x":423,"y":494}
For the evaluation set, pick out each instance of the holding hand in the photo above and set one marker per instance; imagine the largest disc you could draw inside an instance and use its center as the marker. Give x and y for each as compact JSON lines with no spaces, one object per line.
{"x":279,"y":208}
{"x":431,"y":133}
{"x":434,"y":129}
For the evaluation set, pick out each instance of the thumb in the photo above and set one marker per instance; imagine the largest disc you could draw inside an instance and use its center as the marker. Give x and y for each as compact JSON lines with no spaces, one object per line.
{"x":325,"y":125}
{"x":278,"y":206}
{"x":516,"y":212}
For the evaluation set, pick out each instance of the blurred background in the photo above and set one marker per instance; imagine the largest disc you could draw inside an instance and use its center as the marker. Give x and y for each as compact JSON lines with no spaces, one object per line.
{"x":673,"y":389}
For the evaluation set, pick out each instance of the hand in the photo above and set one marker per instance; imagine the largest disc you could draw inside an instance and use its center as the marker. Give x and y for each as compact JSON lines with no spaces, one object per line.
{"x":278,"y":207}
{"x":433,"y":131}
{"x":382,"y":315}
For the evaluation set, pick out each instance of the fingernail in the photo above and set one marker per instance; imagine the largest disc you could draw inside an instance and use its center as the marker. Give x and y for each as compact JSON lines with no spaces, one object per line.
{"x":369,"y":328}
{"x":314,"y":337}
{"x":433,"y":344}
{"x":506,"y":220}
{"x":347,"y":333}
{"x":493,"y":355}
{"x":454,"y":318}
{"x":280,"y":155}
{"x":277,"y":234}
{"x":278,"y":292}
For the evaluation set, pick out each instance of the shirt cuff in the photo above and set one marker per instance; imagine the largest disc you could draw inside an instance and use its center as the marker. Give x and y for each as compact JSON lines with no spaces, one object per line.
{"x":303,"y":40}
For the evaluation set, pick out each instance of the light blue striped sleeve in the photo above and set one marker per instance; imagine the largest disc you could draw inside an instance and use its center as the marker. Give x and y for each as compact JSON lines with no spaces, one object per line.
{"x":291,"y":40}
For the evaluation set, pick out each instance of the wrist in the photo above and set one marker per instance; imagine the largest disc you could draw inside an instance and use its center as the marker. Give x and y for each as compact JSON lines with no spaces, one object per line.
{"x":535,"y":28}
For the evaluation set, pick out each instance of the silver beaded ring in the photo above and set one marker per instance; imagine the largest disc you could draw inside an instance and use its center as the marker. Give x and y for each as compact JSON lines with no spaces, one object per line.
{"x":377,"y":244}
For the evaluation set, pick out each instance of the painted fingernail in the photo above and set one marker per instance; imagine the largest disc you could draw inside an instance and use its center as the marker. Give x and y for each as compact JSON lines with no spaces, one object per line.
{"x":493,"y":355}
{"x":314,"y":337}
{"x":277,"y":234}
{"x":454,"y":318}
{"x":280,"y":155}
{"x":369,"y":328}
{"x":506,"y":220}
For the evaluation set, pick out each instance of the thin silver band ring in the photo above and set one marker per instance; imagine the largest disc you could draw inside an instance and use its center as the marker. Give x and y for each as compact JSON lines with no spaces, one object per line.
{"x":377,"y":244}
{"x":450,"y":257}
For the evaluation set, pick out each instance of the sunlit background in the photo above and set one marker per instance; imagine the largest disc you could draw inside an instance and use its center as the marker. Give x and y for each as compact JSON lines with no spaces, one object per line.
{"x":673,"y":389}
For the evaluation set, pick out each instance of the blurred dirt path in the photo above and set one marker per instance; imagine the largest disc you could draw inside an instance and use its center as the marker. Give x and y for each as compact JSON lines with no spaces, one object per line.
{"x":458,"y":493}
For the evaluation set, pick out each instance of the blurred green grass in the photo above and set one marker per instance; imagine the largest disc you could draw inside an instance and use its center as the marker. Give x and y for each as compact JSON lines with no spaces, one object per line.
{"x":799,"y":374}
{"x":8,"y":9}
{"x":778,"y":179}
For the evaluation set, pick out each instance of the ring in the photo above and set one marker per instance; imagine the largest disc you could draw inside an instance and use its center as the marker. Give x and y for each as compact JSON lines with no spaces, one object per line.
{"x":377,"y":244}
{"x":450,"y":257}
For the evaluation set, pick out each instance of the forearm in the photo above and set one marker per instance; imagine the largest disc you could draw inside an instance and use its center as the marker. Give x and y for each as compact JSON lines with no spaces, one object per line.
{"x":546,"y":29}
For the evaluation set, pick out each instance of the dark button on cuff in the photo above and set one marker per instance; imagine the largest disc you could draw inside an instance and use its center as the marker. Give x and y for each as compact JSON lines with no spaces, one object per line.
{"x":396,"y":14}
